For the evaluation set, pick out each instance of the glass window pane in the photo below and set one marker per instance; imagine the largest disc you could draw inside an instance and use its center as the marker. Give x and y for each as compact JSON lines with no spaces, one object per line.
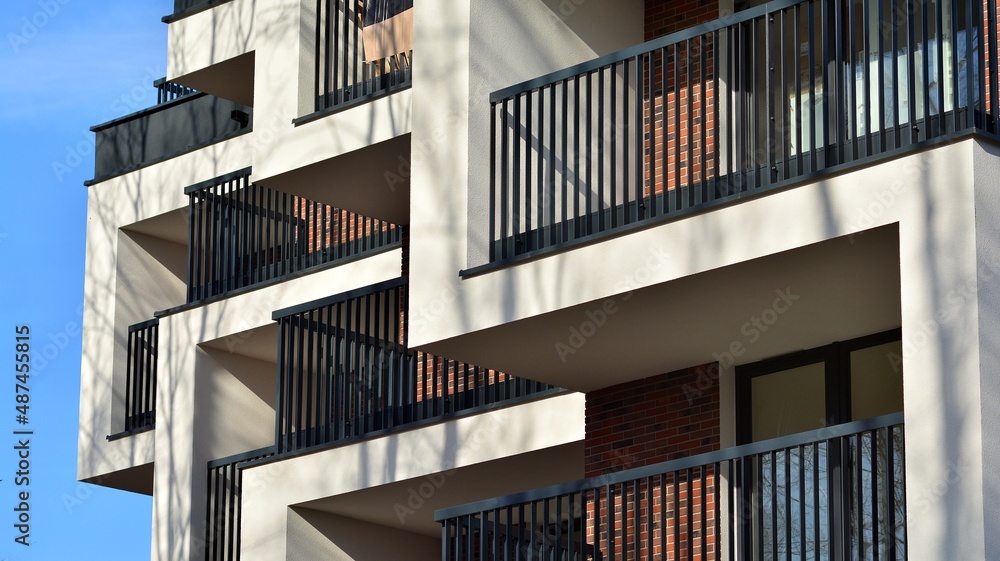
{"x":789,"y":401}
{"x":876,"y":381}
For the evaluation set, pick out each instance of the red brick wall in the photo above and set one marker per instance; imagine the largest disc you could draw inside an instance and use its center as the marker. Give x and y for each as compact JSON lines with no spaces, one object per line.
{"x":652,"y":420}
{"x":645,"y":422}
{"x":668,"y":16}
{"x":674,"y":157}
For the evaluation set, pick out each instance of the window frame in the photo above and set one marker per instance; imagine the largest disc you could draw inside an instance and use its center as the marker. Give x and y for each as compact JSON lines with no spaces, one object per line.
{"x":835,"y":356}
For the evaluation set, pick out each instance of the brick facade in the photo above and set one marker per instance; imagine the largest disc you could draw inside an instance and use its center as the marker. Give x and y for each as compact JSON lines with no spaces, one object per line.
{"x":667,"y":16}
{"x":645,"y":422}
{"x":652,"y":420}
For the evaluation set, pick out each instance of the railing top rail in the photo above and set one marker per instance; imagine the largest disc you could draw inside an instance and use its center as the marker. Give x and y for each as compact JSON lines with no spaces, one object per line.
{"x":208,"y":183}
{"x":143,"y":325}
{"x":642,"y":48}
{"x":245,"y":456}
{"x":342,"y":297}
{"x":147,"y":111}
{"x":763,"y":447}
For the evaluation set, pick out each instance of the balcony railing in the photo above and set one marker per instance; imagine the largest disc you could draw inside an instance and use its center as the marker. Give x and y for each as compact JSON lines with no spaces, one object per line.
{"x":224,"y":504}
{"x":182,"y":120}
{"x":835,"y":493}
{"x":242,"y":234}
{"x":731,"y":108}
{"x":364,"y":49}
{"x":169,"y":91}
{"x":140,"y":376}
{"x":345,"y":371}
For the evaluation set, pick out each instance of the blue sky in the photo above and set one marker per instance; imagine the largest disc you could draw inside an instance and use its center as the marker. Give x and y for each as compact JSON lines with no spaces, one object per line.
{"x":65,"y":65}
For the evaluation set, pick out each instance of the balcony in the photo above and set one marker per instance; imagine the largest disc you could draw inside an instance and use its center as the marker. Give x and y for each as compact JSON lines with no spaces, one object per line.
{"x":364,"y":50}
{"x":242,"y":235}
{"x":183,"y":120}
{"x":835,"y":493}
{"x":140,"y":378}
{"x":346,"y":373}
{"x":755,"y":102}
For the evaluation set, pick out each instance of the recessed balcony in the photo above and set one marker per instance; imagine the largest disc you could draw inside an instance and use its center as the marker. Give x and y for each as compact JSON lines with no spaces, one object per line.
{"x":835,"y":493}
{"x":758,"y":101}
{"x":243,"y":235}
{"x":346,"y":373}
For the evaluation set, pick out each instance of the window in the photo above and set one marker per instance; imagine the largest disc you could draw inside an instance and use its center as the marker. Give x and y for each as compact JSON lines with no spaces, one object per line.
{"x":846,"y":480}
{"x":812,"y":389}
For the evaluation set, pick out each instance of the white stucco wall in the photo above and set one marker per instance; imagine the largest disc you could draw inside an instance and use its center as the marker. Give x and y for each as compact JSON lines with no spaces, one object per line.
{"x":369,"y":464}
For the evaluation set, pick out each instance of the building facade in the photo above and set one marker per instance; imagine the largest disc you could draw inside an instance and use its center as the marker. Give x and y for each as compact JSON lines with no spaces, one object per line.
{"x":554,"y":279}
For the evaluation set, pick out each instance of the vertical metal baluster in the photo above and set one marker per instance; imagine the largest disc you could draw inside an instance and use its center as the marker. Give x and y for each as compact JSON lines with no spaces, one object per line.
{"x":651,"y":119}
{"x":564,"y":230}
{"x":507,"y":247}
{"x":703,"y":115}
{"x":613,"y":111}
{"x":925,"y":62}
{"x":540,"y":180}
{"x":784,"y":101}
{"x":866,"y":81}
{"x":678,"y":192}
{"x":640,"y":172}
{"x":894,"y":19}
{"x":626,"y":205}
{"x":576,"y":156}
{"x":552,"y":164}
{"x":588,"y":227}
{"x":851,"y":82}
{"x":528,"y":175}
{"x":994,"y":67}
{"x":601,"y":152}
{"x":813,"y":146}
{"x":973,"y":21}
{"x":911,"y":71}
{"x":516,"y":173}
{"x":664,"y":177}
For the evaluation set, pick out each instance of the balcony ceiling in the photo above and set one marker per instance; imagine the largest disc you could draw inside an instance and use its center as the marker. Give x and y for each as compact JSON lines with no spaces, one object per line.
{"x":357,"y":181}
{"x":231,"y":79}
{"x":835,"y":290}
{"x":550,"y":466}
{"x":259,"y":344}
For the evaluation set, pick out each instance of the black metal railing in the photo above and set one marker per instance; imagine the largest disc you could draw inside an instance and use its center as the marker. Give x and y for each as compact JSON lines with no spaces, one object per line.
{"x":835,"y":493}
{"x":225,"y":501}
{"x":364,"y":49}
{"x":140,"y":375}
{"x":242,"y":234}
{"x":345,"y":371}
{"x":169,"y":91}
{"x":732,"y":107}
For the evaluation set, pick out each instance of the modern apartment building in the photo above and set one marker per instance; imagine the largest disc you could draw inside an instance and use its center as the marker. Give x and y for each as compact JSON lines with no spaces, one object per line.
{"x":554,"y":280}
